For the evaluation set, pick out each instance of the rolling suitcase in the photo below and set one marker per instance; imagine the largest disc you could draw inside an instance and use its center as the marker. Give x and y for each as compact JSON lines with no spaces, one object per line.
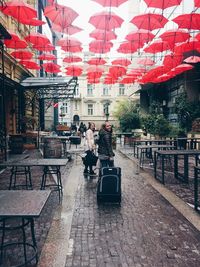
{"x":109,"y":185}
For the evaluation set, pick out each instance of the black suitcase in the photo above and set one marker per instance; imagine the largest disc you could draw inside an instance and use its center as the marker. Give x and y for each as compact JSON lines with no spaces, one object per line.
{"x":109,"y":185}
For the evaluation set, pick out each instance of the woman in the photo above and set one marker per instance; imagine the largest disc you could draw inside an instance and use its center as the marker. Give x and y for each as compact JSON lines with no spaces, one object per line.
{"x":105,"y":151}
{"x":90,"y":146}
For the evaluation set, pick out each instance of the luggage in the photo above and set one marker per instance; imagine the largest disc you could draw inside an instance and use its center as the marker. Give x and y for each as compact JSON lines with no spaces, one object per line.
{"x":109,"y":185}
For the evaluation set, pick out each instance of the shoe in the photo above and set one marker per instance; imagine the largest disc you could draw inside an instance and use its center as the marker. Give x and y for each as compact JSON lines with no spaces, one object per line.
{"x":86,"y":172}
{"x":92,"y":172}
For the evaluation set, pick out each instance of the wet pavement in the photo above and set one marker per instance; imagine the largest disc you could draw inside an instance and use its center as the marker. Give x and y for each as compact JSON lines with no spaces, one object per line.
{"x":154,"y":226}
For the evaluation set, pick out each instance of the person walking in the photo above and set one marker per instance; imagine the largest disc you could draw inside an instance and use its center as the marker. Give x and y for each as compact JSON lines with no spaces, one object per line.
{"x":105,"y":151}
{"x":90,"y":146}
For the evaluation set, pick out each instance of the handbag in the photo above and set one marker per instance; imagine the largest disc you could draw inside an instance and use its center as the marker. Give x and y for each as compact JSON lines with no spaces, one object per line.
{"x":94,"y":159}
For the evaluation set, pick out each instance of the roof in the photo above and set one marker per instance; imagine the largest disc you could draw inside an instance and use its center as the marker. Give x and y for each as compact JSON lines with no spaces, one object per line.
{"x":51,"y":87}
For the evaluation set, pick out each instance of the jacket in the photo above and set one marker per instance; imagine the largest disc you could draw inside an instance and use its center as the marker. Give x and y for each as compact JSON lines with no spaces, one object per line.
{"x":105,"y":143}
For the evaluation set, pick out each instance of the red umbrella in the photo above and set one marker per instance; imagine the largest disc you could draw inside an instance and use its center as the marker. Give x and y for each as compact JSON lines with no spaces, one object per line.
{"x":60,"y":15}
{"x":128,"y":48}
{"x":121,"y":61}
{"x":172,"y":60}
{"x":99,"y":34}
{"x":109,"y":3}
{"x":47,"y":57}
{"x":163,"y":78}
{"x":162,"y":4}
{"x":182,"y":68}
{"x":157,"y":46}
{"x":37,"y":39}
{"x":32,"y":22}
{"x":96,"y":61}
{"x":175,"y":36}
{"x":70,"y":30}
{"x":106,"y":20}
{"x":51,"y":67}
{"x":99,"y":46}
{"x":127,"y":80}
{"x":117,"y":71}
{"x":74,"y":70}
{"x":19,"y":10}
{"x":192,"y":59}
{"x":68,"y":41}
{"x":149,"y":21}
{"x":72,"y":59}
{"x":140,"y":36}
{"x":30,"y":65}
{"x":94,"y":69}
{"x":192,"y":44}
{"x":46,"y":47}
{"x":22,"y":54}
{"x":188,"y":21}
{"x":146,"y":62}
{"x":93,"y":80}
{"x":15,"y":42}
{"x":197,"y":3}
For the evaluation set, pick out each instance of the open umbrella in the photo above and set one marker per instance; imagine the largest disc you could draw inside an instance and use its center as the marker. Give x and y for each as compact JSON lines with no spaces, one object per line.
{"x":121,"y":61}
{"x":32,"y":22}
{"x":172,"y":60}
{"x":128,"y":48}
{"x":51,"y":67}
{"x":192,"y":59}
{"x":46,"y":47}
{"x":188,"y":21}
{"x":140,"y":36}
{"x":182,"y":68}
{"x":18,"y":9}
{"x":96,"y":61}
{"x":68,"y":41}
{"x":162,"y":4}
{"x":47,"y":57}
{"x":127,"y":80}
{"x":117,"y":71}
{"x":30,"y":65}
{"x":38,"y":39}
{"x":22,"y":54}
{"x":197,"y":3}
{"x":175,"y":36}
{"x":192,"y":44}
{"x":149,"y":21}
{"x":109,"y":3}
{"x":72,"y":59}
{"x":74,"y":70}
{"x":106,"y":20}
{"x":15,"y":42}
{"x":70,"y":30}
{"x":145,"y":62}
{"x":99,"y":46}
{"x":157,"y":46}
{"x":99,"y":34}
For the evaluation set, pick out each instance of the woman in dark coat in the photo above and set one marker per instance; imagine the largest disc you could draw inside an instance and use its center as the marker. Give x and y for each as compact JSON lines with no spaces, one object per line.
{"x":105,"y":151}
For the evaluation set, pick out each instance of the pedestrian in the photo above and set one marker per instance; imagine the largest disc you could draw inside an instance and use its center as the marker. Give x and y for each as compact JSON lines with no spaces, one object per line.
{"x":105,"y":151}
{"x":90,"y":146}
{"x":81,"y":129}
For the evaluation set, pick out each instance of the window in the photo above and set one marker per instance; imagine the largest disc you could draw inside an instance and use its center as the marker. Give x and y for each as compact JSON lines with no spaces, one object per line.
{"x":65,"y":107}
{"x":105,"y":90}
{"x":77,"y":90}
{"x":106,"y":108}
{"x":121,"y":89}
{"x":75,"y":105}
{"x":90,"y":109}
{"x":90,"y":90}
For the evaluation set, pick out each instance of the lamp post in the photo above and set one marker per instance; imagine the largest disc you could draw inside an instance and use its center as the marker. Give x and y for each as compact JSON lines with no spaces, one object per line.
{"x":107,"y":104}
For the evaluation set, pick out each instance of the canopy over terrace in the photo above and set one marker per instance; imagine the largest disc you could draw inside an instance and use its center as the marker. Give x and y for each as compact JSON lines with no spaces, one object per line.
{"x":55,"y":88}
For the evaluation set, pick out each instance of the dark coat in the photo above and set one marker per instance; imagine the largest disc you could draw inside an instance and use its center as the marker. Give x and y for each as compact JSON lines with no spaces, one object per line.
{"x":105,"y":143}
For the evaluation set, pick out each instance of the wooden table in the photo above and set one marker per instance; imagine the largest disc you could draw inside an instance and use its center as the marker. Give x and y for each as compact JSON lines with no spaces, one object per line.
{"x":23,"y":206}
{"x":175,"y":154}
{"x":50,"y":166}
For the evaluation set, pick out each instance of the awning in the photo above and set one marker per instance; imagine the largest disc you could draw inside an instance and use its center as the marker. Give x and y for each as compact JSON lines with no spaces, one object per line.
{"x":51,"y":87}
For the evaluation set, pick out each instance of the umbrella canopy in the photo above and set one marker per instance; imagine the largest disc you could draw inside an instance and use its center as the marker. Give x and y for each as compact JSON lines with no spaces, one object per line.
{"x":70,"y":30}
{"x":15,"y":42}
{"x":47,"y":57}
{"x":96,"y":61}
{"x":182,"y":68}
{"x":30,"y":65}
{"x":162,"y":4}
{"x":146,"y":62}
{"x":149,"y":21}
{"x":68,"y":41}
{"x":32,"y":22}
{"x":37,"y":39}
{"x":192,"y":59}
{"x":175,"y":36}
{"x":127,"y":80}
{"x":172,"y":60}
{"x":99,"y":34}
{"x":93,"y":80}
{"x":140,"y":36}
{"x":157,"y":46}
{"x":22,"y":54}
{"x":109,"y":3}
{"x":51,"y":67}
{"x":197,"y":3}
{"x":117,"y":71}
{"x":94,"y":69}
{"x":99,"y":46}
{"x":18,"y":9}
{"x":72,"y":59}
{"x":188,"y":21}
{"x":121,"y":61}
{"x":190,"y":45}
{"x":106,"y":20}
{"x":74,"y":70}
{"x":128,"y":48}
{"x":46,"y":47}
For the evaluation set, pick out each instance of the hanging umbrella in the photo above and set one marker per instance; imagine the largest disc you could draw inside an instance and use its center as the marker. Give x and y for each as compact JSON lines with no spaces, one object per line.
{"x":15,"y":42}
{"x":182,"y":68}
{"x":47,"y":57}
{"x":99,"y":46}
{"x":121,"y":61}
{"x":30,"y":65}
{"x":192,"y":44}
{"x":32,"y":22}
{"x":70,"y":30}
{"x":96,"y":61}
{"x":127,"y":48}
{"x":99,"y":34}
{"x":94,"y":69}
{"x":146,"y":62}
{"x":94,"y":75}
{"x":72,"y":59}
{"x":37,"y":39}
{"x":140,"y":36}
{"x":149,"y":21}
{"x":51,"y":67}
{"x":106,"y":20}
{"x":162,"y":4}
{"x":117,"y":71}
{"x":188,"y":21}
{"x":22,"y":54}
{"x":172,"y":60}
{"x":157,"y":47}
{"x":72,"y":49}
{"x":68,"y":41}
{"x":46,"y":47}
{"x":197,"y":3}
{"x":110,"y":3}
{"x":192,"y":59}
{"x":74,"y":70}
{"x":60,"y":15}
{"x":93,"y":81}
{"x":175,"y":36}
{"x":162,"y":78}
{"x":19,"y":10}
{"x":127,"y":80}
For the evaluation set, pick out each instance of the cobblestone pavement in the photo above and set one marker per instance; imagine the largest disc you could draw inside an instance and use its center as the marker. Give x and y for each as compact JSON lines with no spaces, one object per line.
{"x":144,"y":231}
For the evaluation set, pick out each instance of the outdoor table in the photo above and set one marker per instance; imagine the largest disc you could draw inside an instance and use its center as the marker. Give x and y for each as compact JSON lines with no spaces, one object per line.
{"x":175,"y":153}
{"x":196,"y":187}
{"x":50,"y":166}
{"x":23,"y":206}
{"x":63,"y":139}
{"x":143,"y":150}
